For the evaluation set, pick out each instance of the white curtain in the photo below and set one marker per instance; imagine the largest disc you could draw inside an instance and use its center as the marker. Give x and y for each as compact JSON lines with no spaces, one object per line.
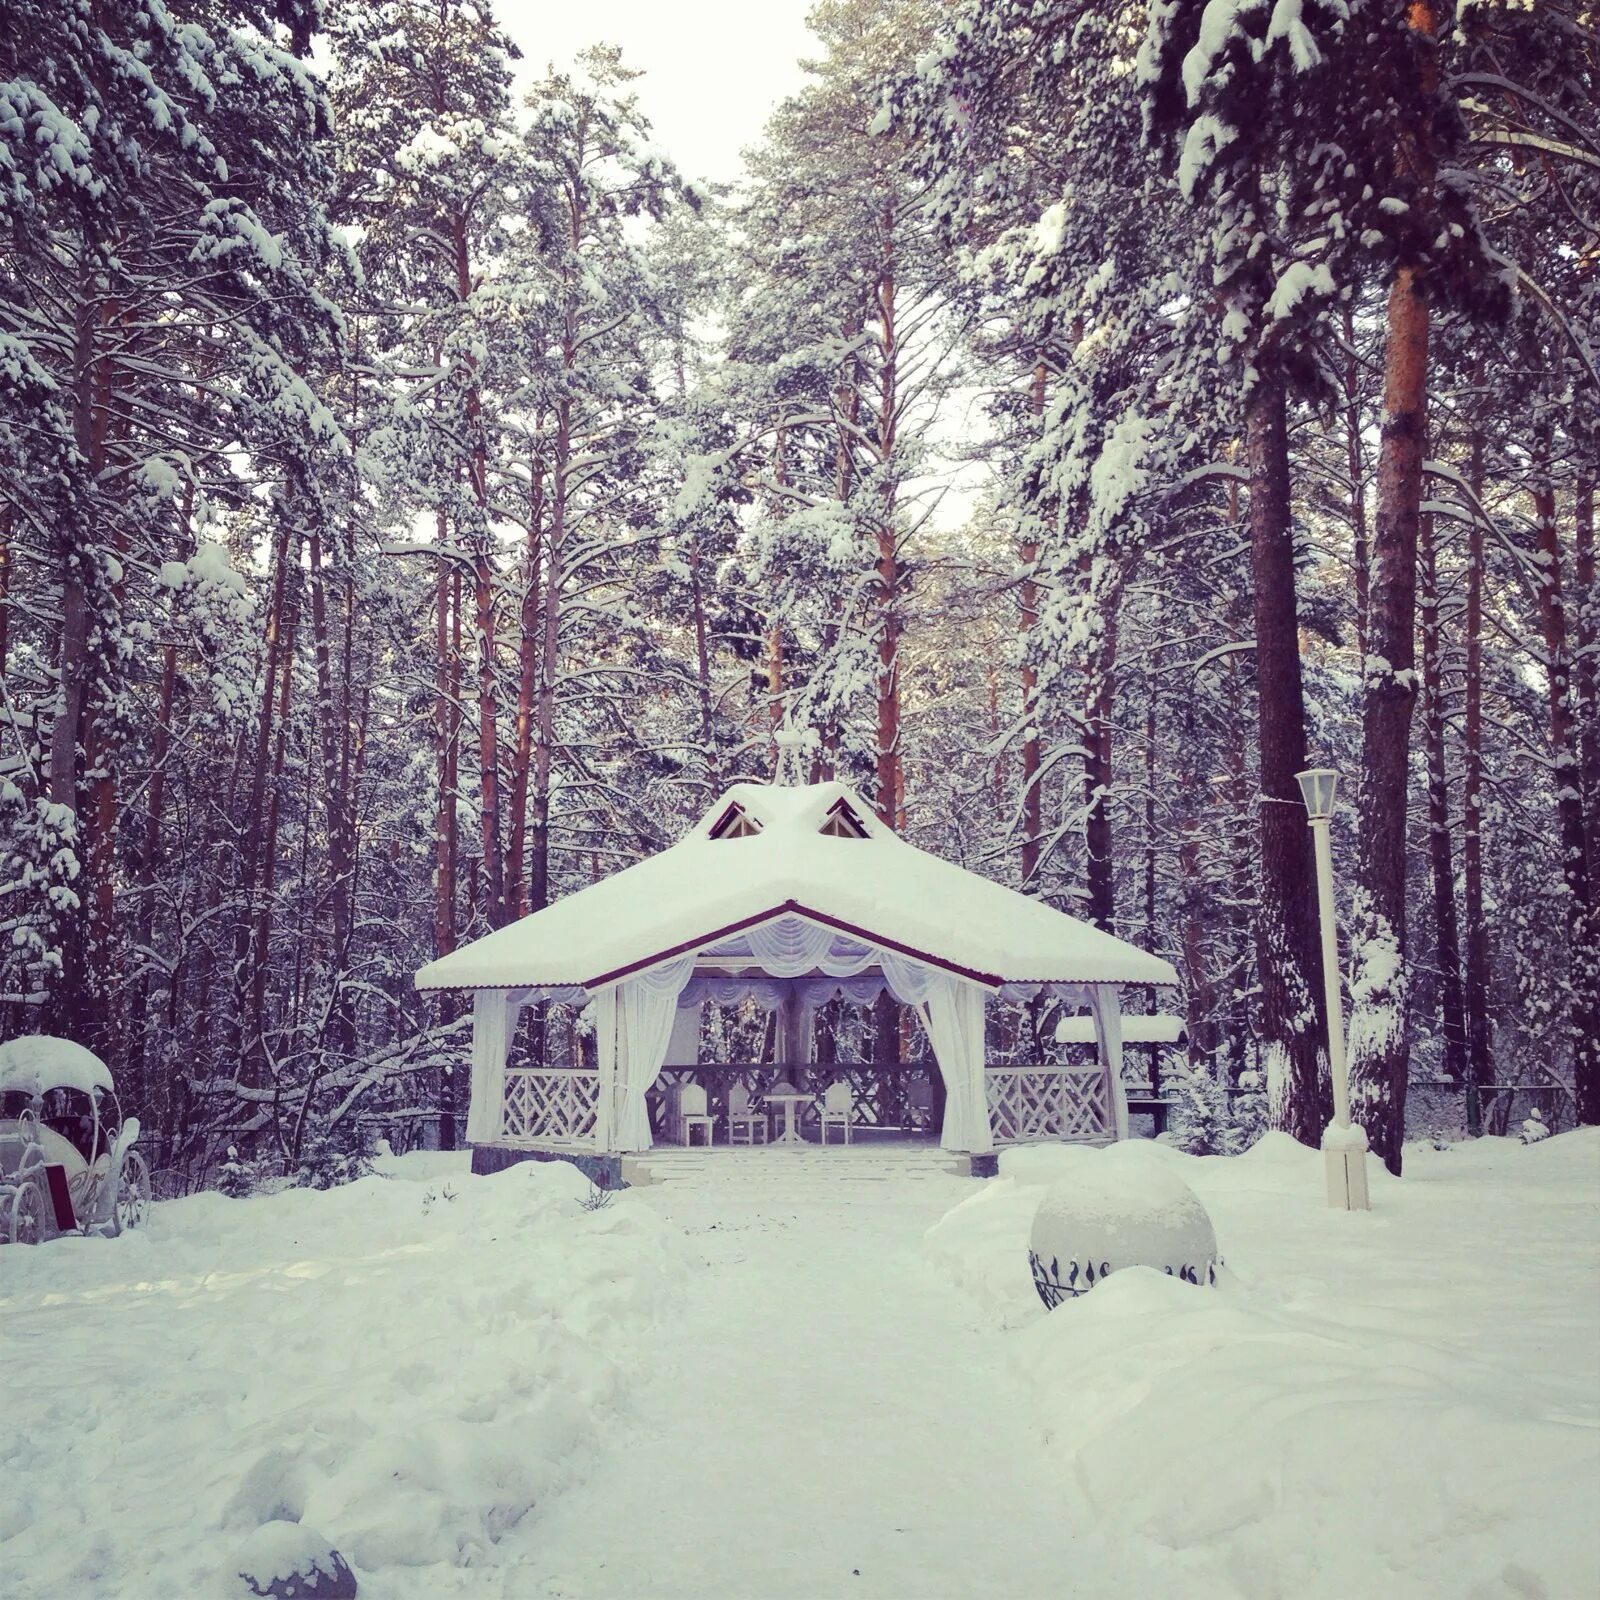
{"x":952,"y":1014}
{"x":633,"y":1024}
{"x":605,"y":1060}
{"x":494,"y":1015}
{"x":1106,"y":1004}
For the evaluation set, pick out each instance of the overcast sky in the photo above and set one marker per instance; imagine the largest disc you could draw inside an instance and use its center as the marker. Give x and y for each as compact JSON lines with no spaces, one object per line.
{"x":713,"y":68}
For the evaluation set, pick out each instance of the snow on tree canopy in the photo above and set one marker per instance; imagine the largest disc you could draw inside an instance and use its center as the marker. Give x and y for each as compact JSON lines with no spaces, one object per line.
{"x":39,"y":1061}
{"x":876,"y":886}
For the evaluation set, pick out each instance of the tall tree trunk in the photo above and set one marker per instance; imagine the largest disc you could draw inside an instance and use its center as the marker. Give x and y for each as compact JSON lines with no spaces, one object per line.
{"x":1480,"y":1066}
{"x":444,"y":730}
{"x":1379,"y":1046}
{"x":78,"y":541}
{"x":445,"y":722}
{"x":890,"y":1035}
{"x":97,"y":885}
{"x":1586,"y":672}
{"x":1583,"y":956}
{"x":528,"y":656}
{"x":1150,"y":818}
{"x":549,"y":663}
{"x":1238,"y":977}
{"x":5,"y":587}
{"x":266,"y":812}
{"x":888,"y":569}
{"x":1379,"y":1053}
{"x":702,"y":665}
{"x":1355,"y":467}
{"x":561,"y":470}
{"x":775,"y":682}
{"x":1452,"y":1011}
{"x":334,"y":721}
{"x":1293,"y":1018}
{"x":251,"y":831}
{"x":1586,"y":708}
{"x":488,"y":740}
{"x":1100,"y":864}
{"x":847,"y":407}
{"x":260,"y":962}
{"x":483,"y":586}
{"x":1027,"y":626}
{"x":146,"y":880}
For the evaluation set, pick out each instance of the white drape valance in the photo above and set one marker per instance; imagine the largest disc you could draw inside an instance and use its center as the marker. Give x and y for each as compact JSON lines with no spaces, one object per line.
{"x":770,"y":993}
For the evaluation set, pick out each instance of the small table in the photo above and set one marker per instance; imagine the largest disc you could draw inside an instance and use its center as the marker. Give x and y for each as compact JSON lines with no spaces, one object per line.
{"x":1152,"y":1106}
{"x":788,"y":1099}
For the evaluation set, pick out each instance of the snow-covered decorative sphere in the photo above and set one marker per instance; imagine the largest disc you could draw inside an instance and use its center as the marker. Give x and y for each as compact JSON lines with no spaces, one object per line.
{"x":1110,"y":1215}
{"x":289,"y":1561}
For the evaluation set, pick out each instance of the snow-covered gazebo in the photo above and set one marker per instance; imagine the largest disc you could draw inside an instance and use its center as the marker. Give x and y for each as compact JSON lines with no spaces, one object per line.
{"x":792,"y":896}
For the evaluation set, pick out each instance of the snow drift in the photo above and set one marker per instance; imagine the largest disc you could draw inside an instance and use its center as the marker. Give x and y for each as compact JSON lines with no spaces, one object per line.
{"x":1403,"y":1403}
{"x":409,"y":1367}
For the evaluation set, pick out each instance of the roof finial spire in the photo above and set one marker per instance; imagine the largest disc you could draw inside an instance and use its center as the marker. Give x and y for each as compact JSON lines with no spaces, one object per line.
{"x":790,"y":744}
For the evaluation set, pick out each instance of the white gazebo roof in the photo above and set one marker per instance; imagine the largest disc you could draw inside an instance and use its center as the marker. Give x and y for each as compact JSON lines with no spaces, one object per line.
{"x":814,"y":851}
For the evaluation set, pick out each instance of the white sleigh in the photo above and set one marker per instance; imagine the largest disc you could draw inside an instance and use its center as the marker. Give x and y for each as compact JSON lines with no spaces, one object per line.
{"x":67,"y":1157}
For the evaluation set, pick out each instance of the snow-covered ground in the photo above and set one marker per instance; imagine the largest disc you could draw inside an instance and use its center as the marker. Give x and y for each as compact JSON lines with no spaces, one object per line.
{"x":409,"y":1364}
{"x":1401,"y":1403}
{"x":800,"y":1377}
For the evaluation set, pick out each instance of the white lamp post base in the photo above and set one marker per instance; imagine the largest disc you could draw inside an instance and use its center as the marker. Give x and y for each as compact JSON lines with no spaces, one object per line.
{"x":1344,"y":1152}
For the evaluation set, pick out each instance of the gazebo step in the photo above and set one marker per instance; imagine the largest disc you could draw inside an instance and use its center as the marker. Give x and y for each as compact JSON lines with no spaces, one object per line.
{"x":815,"y":1168}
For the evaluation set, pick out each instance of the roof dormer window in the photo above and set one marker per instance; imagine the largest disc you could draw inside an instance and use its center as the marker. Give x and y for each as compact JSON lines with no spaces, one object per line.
{"x":735,"y":823}
{"x":843,"y":823}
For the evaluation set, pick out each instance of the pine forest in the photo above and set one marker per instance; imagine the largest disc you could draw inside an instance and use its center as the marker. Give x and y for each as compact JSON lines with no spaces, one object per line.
{"x":420,"y":499}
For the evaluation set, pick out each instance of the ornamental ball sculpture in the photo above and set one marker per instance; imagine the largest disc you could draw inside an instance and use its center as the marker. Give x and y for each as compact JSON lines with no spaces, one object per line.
{"x":1111,"y":1215}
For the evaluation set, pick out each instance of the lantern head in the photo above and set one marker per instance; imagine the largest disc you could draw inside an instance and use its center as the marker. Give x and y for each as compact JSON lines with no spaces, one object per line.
{"x":1318,"y":784}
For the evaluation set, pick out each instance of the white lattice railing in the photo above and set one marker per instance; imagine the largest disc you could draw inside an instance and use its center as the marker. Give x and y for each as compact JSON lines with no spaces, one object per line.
{"x":550,"y":1103}
{"x":1049,"y":1103}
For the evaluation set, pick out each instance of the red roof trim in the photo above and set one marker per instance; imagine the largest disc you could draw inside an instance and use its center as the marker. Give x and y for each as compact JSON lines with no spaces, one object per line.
{"x":998,"y":983}
{"x":988,"y":980}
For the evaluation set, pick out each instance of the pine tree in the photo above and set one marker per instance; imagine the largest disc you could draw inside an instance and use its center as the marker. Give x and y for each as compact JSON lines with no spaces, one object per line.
{"x":161,"y":308}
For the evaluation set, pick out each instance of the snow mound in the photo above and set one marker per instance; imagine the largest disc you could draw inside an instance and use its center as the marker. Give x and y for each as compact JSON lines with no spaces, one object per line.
{"x":1368,"y":1403}
{"x":412,"y":1367}
{"x":1113,"y":1216}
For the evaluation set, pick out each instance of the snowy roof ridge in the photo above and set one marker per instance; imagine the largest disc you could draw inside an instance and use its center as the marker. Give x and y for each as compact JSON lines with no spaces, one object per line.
{"x":876,"y":886}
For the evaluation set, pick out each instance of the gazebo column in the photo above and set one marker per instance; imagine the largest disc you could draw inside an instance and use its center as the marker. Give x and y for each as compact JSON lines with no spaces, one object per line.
{"x":1106,"y":1003}
{"x":793,"y":1022}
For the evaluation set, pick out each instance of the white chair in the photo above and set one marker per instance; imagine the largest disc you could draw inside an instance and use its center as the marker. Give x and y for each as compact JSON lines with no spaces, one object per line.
{"x":692,"y":1114}
{"x":744,"y":1125}
{"x":838,"y":1106}
{"x":919,"y":1104}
